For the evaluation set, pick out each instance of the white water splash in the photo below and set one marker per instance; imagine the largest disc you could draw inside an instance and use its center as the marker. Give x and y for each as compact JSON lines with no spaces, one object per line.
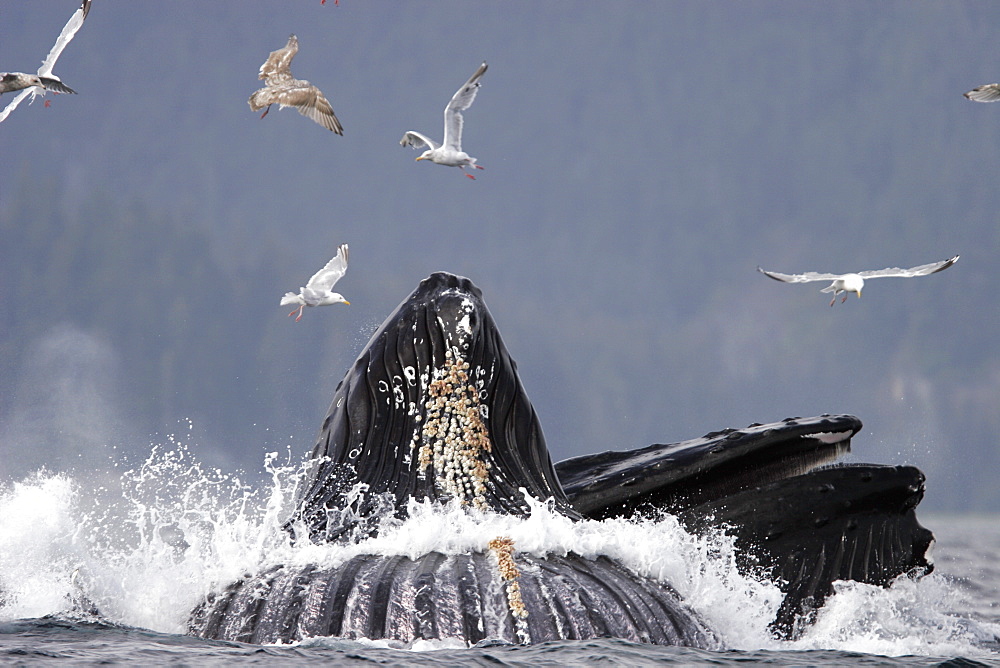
{"x":37,"y":550}
{"x":910,"y":617}
{"x":147,"y":550}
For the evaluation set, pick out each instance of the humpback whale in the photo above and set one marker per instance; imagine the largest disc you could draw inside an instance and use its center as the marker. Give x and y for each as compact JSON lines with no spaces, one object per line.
{"x":433,"y":411}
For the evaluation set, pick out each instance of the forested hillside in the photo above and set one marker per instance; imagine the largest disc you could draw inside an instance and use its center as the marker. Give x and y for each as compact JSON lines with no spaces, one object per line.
{"x":641,"y":160}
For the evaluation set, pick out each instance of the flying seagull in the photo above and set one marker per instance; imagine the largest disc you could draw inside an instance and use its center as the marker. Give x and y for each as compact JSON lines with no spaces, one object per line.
{"x":854,"y":282}
{"x":37,"y":84}
{"x":987,"y":93}
{"x":319,"y":290}
{"x":450,"y":153}
{"x":282,"y":88}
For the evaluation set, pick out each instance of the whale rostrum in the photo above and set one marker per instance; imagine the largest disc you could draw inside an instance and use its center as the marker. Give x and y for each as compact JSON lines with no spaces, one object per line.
{"x":433,"y":410}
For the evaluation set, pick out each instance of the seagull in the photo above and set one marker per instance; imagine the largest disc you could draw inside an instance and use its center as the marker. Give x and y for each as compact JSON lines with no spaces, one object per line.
{"x":318,"y":291}
{"x":11,"y":81}
{"x":854,"y":282}
{"x":987,"y":93}
{"x":44,"y":80}
{"x":281,"y":87}
{"x":450,"y":153}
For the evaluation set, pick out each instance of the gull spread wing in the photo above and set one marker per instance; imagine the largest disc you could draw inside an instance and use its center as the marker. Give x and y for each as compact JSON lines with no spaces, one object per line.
{"x":308,"y":100}
{"x":987,"y":93}
{"x":807,"y":277}
{"x":416,"y":140}
{"x":68,"y":31}
{"x":461,"y":101}
{"x":13,"y":104}
{"x":922,"y":270}
{"x":324,"y":279}
{"x":277,"y":68}
{"x":55,"y":84}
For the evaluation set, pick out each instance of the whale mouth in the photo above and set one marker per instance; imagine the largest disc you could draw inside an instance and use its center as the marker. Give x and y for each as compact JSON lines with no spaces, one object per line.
{"x":433,"y":409}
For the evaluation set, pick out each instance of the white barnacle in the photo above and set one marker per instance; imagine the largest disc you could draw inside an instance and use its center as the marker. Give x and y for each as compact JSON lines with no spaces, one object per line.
{"x":397,"y":395}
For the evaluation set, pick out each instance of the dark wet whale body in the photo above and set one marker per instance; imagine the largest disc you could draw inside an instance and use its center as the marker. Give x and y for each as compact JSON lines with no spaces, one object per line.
{"x":433,"y":410}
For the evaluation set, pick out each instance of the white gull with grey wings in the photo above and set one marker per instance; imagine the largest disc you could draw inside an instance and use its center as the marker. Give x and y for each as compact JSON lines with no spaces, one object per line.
{"x":319,"y":290}
{"x":854,"y":282}
{"x":450,"y":152}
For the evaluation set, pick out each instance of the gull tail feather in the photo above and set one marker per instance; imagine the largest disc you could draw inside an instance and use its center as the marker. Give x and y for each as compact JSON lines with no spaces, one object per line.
{"x":290,"y":298}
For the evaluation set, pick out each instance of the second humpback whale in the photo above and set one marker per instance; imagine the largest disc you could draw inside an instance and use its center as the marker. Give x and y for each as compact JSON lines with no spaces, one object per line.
{"x":433,"y":410}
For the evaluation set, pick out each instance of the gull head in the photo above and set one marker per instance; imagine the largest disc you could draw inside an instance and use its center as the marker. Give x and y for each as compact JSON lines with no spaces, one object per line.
{"x":426,"y":155}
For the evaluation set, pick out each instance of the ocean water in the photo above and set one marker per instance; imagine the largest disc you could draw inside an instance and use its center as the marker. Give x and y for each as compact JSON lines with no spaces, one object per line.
{"x":104,"y":566}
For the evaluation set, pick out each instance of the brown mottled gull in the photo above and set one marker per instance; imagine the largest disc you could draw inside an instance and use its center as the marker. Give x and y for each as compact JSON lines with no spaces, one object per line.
{"x":282,"y":88}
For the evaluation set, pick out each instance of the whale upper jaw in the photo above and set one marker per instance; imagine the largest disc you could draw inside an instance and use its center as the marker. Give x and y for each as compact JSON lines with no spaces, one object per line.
{"x":433,"y":409}
{"x":678,"y":476}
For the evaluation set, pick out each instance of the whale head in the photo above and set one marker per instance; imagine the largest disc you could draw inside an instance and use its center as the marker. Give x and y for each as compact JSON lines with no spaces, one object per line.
{"x":432,"y":409}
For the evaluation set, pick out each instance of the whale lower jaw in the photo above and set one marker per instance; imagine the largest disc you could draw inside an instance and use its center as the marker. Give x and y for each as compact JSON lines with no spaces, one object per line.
{"x":495,"y":595}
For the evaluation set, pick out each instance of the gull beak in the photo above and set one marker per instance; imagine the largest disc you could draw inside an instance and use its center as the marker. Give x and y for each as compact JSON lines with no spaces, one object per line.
{"x":859,"y":294}
{"x":347,"y":302}
{"x":420,"y":158}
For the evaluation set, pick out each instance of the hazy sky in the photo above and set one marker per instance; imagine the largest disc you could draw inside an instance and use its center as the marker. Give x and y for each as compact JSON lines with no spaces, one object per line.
{"x":642,"y":158}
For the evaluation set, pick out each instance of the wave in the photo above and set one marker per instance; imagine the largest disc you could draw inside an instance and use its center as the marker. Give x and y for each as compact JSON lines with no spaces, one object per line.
{"x":142,"y":546}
